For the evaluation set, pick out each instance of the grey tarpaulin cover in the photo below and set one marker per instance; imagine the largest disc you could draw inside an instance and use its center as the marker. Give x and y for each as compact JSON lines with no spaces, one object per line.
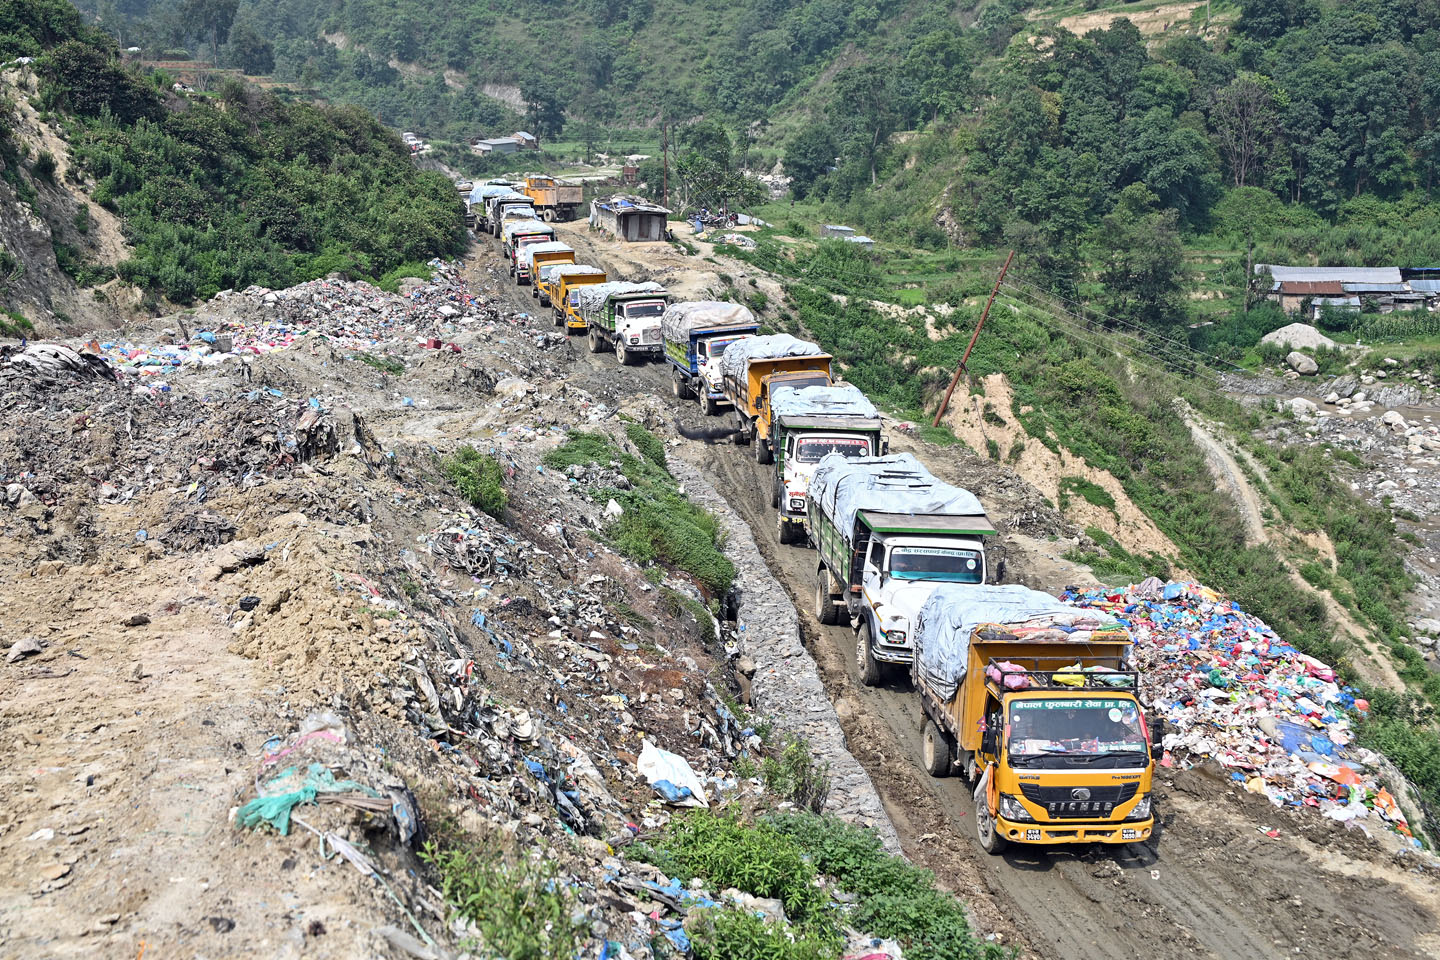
{"x":741,"y":352}
{"x":527,"y":254}
{"x":484,"y":191}
{"x":954,"y":610}
{"x":897,"y":483}
{"x":594,"y":296}
{"x":529,"y":226}
{"x":570,"y":269}
{"x":842,"y":400}
{"x":681,"y":318}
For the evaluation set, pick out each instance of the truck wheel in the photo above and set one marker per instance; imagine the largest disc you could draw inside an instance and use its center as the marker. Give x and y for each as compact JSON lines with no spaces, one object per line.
{"x":621,"y":354}
{"x":559,"y":320}
{"x":742,"y":436}
{"x":594,"y":339}
{"x":762,"y":451}
{"x":534,"y":293}
{"x":825,"y":610}
{"x":548,"y":216}
{"x":544,"y":300}
{"x":990,"y":839}
{"x":936,"y":754}
{"x":865,"y":663}
{"x":709,"y":404}
{"x":775,"y":494}
{"x":519,"y":280}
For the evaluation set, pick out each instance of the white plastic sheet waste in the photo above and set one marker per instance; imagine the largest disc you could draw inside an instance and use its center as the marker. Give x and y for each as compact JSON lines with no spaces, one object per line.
{"x":656,"y":765}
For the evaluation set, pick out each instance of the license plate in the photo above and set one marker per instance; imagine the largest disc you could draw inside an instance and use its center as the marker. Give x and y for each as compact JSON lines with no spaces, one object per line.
{"x":1032,"y":834}
{"x":1129,"y":834}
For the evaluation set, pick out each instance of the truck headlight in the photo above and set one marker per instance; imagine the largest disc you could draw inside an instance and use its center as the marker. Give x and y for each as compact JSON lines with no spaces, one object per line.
{"x":1142,"y":809}
{"x":634,"y":339}
{"x":797,"y":503}
{"x":894,"y":636}
{"x":1013,"y":809}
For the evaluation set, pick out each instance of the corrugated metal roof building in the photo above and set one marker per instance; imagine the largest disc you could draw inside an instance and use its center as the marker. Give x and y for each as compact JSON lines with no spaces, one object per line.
{"x":629,"y":218}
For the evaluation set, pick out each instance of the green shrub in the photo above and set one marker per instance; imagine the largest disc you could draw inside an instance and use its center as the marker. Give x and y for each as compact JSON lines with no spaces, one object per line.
{"x":757,"y":859}
{"x":897,"y":900}
{"x":733,"y":934}
{"x":390,"y":282}
{"x":82,"y":219}
{"x":44,"y":166}
{"x":797,"y":776}
{"x":13,"y":324}
{"x":478,"y":478}
{"x":521,"y":909}
{"x":1092,"y":493}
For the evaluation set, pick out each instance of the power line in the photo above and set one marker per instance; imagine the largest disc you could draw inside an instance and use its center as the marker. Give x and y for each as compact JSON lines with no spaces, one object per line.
{"x":1150,"y":334}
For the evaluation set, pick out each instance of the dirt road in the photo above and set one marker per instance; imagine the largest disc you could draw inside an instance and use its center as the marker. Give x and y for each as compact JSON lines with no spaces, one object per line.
{"x":1212,"y":883}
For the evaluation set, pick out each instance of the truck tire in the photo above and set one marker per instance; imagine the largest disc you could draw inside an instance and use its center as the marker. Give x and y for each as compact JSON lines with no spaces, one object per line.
{"x":775,"y":494}
{"x":678,"y":388}
{"x":594,"y":339}
{"x":534,"y":292}
{"x":985,"y":828}
{"x":742,"y":436}
{"x":548,"y":216}
{"x":519,"y":280}
{"x":937,"y":756}
{"x":762,"y":451}
{"x":559,"y":319}
{"x":621,"y":354}
{"x":825,"y":610}
{"x":709,"y":405}
{"x":869,"y":669}
{"x":544,"y":300}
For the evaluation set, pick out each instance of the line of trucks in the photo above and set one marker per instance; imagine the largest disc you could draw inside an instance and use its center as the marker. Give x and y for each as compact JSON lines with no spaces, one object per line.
{"x":1034,"y":701}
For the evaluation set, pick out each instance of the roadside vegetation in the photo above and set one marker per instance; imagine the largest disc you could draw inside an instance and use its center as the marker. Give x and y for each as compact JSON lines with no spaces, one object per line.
{"x":479,"y":479}
{"x":658,"y":523}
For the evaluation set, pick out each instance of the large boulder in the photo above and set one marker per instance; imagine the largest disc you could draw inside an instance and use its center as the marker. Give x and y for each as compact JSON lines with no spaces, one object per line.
{"x":1299,"y":336}
{"x":1299,"y":407}
{"x":1301,"y":364}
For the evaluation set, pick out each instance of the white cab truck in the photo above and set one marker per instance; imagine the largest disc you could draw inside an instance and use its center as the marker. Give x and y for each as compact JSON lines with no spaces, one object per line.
{"x":624,"y":317}
{"x":808,"y":424}
{"x":887,"y":533}
{"x":696,"y":334}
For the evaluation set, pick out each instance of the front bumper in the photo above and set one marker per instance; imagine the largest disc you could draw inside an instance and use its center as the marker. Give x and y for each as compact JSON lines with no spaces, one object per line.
{"x":1084,"y":832}
{"x":886,"y":653}
{"x":576,"y":324}
{"x":642,"y":348}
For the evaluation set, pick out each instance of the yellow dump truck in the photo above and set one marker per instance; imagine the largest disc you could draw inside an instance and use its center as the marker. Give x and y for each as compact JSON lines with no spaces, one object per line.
{"x":1036,"y":703}
{"x":533,"y":261}
{"x":565,"y":283}
{"x":752,"y":368}
{"x":554,"y":199}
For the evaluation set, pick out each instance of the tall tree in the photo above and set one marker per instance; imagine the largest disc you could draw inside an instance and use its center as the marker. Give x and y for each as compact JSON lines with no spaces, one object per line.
{"x":211,"y":18}
{"x":808,"y":155}
{"x":543,"y":110}
{"x":1245,"y":118}
{"x":865,"y":109}
{"x":1142,"y":260}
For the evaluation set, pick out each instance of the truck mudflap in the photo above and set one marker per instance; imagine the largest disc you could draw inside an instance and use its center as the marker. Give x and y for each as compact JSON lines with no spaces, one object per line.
{"x":1051,"y":833}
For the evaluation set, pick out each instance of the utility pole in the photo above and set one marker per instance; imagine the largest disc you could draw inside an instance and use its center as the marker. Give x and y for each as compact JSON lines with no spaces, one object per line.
{"x":665,"y":159}
{"x":1249,"y":264}
{"x":945,"y":404}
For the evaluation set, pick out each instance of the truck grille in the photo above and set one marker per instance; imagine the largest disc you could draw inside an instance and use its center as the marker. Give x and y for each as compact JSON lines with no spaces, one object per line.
{"x":1061,"y":804}
{"x":650,"y":335}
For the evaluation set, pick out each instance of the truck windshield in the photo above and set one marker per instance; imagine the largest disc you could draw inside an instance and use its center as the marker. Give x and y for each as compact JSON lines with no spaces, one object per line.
{"x":1067,"y":730}
{"x":812,"y":449}
{"x":949,"y":564}
{"x":798,"y":382}
{"x":640,"y":311}
{"x":714,"y":348}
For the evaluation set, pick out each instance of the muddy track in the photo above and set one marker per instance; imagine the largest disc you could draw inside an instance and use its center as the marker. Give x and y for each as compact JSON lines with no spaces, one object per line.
{"x":1211,"y":884}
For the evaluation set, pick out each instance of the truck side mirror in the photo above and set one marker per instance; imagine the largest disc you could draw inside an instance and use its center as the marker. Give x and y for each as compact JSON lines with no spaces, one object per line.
{"x":884,"y":448}
{"x":999,"y":572}
{"x":989,"y":742}
{"x":1157,"y":737}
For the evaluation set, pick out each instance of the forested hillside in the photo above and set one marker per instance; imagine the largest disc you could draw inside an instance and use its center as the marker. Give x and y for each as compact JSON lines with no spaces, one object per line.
{"x":218,"y":191}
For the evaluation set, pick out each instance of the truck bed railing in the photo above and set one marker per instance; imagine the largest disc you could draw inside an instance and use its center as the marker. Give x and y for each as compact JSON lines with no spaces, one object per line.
{"x":1024,"y":673}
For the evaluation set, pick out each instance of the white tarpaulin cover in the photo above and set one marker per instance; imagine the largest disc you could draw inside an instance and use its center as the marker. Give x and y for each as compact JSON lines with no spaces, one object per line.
{"x":954,"y":610}
{"x":739,"y":354}
{"x":527,"y":254}
{"x":594,"y":296}
{"x":897,"y":483}
{"x":484,"y":191}
{"x":843,"y":400}
{"x":508,"y":195}
{"x":571,"y":270}
{"x":527,"y":226}
{"x":681,"y":318}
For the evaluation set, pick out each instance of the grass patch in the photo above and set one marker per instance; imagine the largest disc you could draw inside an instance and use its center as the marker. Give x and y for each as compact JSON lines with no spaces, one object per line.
{"x":479,"y":479}
{"x":15,"y":325}
{"x":1113,"y":564}
{"x":391,"y":365}
{"x":390,"y":280}
{"x":797,"y":776}
{"x":658,"y":523}
{"x":521,"y":909}
{"x":1092,"y":493}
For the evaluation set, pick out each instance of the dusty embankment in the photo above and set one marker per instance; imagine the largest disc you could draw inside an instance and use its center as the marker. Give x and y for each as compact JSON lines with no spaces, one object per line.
{"x":1214,"y":883}
{"x":232,"y":566}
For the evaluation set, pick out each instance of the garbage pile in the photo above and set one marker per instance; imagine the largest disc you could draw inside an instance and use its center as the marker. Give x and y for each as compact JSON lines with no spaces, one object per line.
{"x":1277,"y":720}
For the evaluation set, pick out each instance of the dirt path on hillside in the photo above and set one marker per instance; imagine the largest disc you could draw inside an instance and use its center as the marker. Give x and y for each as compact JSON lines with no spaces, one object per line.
{"x":1374,"y":667}
{"x":1212,"y":884}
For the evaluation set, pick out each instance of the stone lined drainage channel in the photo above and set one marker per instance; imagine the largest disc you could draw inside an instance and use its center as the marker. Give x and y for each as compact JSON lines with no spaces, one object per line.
{"x":787,"y":686}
